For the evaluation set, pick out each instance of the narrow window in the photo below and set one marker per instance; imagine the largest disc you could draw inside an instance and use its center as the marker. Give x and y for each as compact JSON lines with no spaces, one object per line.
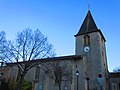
{"x":114,"y":86}
{"x":102,"y":40}
{"x":37,"y":73}
{"x":86,"y":40}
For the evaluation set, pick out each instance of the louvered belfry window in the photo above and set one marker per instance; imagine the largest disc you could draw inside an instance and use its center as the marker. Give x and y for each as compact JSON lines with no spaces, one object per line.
{"x":86,"y":40}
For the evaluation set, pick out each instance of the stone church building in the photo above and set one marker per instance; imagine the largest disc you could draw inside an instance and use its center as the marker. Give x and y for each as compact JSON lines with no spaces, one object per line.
{"x":86,"y":70}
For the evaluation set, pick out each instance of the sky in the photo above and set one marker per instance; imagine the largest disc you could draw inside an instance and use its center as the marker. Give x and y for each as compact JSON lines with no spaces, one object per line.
{"x":60,"y":20}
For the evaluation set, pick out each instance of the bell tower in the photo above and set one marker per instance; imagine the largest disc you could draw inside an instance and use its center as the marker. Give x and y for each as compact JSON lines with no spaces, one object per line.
{"x":90,"y":43}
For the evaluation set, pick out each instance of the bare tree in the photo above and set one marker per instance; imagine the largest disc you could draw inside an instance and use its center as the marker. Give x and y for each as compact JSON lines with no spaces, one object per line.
{"x":2,"y":43}
{"x":29,"y":45}
{"x":59,"y":71}
{"x":116,"y":70}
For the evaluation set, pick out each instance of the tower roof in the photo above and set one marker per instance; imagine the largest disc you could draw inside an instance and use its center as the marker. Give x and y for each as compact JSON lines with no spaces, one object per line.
{"x":88,"y":25}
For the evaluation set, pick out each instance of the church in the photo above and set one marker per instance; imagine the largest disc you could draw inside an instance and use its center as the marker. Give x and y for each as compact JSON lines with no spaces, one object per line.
{"x":86,"y":70}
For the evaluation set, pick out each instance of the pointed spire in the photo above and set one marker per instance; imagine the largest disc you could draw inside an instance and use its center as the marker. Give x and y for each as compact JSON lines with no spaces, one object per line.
{"x":88,"y":7}
{"x":88,"y":25}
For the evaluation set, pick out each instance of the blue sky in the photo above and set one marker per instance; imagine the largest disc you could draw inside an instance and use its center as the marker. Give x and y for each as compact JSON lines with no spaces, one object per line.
{"x":60,"y":20}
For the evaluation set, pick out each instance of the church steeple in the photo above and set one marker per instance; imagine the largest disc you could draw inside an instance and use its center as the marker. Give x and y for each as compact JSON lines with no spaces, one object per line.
{"x":90,"y":43}
{"x":88,"y":25}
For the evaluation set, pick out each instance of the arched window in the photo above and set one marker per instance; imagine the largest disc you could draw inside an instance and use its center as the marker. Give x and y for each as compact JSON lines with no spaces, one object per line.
{"x":114,"y":86}
{"x":86,"y":40}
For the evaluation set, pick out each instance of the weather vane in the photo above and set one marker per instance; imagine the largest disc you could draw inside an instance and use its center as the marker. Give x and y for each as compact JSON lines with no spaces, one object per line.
{"x":88,"y":6}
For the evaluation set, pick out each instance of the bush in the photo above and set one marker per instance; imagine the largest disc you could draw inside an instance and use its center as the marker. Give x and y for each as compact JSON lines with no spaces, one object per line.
{"x":12,"y":83}
{"x":27,"y":85}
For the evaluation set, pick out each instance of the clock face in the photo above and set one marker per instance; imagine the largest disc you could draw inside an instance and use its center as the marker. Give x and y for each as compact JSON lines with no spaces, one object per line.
{"x":86,"y":49}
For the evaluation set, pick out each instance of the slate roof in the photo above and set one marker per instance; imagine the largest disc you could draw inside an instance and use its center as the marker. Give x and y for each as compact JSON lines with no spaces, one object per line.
{"x":71,"y":57}
{"x":114,"y":75}
{"x":88,"y":26}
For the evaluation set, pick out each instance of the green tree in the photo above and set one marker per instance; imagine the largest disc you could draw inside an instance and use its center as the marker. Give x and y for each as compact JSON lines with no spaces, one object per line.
{"x":26,"y":85}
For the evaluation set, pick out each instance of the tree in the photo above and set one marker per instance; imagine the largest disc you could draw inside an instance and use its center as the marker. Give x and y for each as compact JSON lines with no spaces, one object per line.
{"x":28,"y":45}
{"x":2,"y":43}
{"x":116,"y":70}
{"x":27,"y":85}
{"x":59,"y":71}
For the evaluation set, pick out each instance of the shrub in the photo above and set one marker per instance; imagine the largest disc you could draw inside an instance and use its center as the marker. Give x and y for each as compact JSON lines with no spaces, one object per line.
{"x":27,"y":85}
